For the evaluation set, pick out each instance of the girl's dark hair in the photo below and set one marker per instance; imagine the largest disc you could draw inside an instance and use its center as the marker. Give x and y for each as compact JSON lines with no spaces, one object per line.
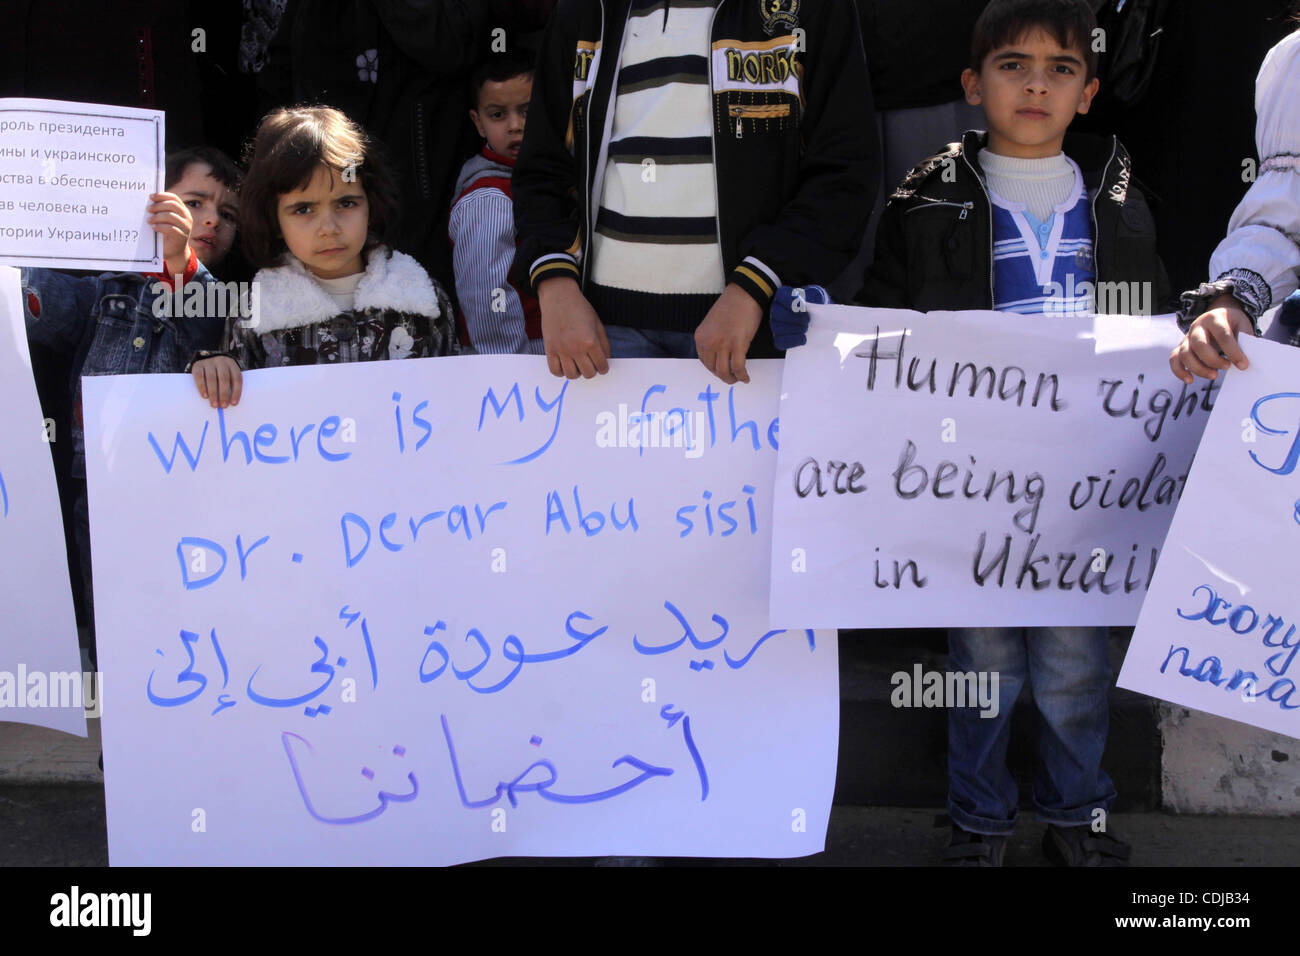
{"x":223,"y":167}
{"x":290,"y":145}
{"x":1070,"y":22}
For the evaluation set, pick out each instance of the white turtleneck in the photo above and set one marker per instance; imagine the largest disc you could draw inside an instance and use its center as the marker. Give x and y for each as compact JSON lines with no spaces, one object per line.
{"x":1039,"y":184}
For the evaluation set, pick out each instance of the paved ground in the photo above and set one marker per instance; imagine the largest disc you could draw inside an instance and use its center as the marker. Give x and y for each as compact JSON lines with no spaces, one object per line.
{"x":52,"y":814}
{"x":63,"y":825}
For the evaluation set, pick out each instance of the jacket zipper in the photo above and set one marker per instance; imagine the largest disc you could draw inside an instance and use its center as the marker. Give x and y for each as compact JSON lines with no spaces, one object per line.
{"x":1096,"y":232}
{"x":713,"y":139}
{"x":768,"y":111}
{"x":988,"y":204}
{"x":584,"y":242}
{"x":965,"y":207}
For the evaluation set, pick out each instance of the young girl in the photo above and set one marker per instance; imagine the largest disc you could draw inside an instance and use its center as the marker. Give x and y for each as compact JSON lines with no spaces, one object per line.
{"x":317,"y":209}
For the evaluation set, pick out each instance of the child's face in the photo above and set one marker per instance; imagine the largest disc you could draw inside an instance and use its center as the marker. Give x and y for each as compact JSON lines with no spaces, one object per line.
{"x":502,"y":109}
{"x":325,"y":224}
{"x":1030,"y":91}
{"x":214,"y":207}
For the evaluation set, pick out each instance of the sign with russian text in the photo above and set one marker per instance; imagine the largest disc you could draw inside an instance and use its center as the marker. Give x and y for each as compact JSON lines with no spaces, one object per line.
{"x":977,"y":469}
{"x":74,"y":182}
{"x":441,"y":610}
{"x":1218,"y":630}
{"x":41,"y":681}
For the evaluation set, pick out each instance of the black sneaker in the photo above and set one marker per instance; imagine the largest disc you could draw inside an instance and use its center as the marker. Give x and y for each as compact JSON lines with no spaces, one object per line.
{"x":1080,"y":846}
{"x":973,"y":849}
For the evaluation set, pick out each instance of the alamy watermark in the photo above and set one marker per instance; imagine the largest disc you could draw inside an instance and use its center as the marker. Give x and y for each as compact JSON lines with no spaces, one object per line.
{"x":922,"y":688}
{"x":674,"y":428}
{"x":226,"y":300}
{"x":40,"y":689}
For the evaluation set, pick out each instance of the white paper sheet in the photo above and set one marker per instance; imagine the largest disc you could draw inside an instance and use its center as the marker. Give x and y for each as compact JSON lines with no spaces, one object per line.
{"x":940,"y":488}
{"x":1218,"y":630}
{"x":74,"y":182}
{"x":41,"y":681}
{"x":504,"y":669}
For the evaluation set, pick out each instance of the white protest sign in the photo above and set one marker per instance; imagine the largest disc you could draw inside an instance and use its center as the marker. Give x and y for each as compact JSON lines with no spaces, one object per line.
{"x":41,"y":680}
{"x":441,"y":610}
{"x":74,"y":182}
{"x":1218,"y":630}
{"x":977,"y":469}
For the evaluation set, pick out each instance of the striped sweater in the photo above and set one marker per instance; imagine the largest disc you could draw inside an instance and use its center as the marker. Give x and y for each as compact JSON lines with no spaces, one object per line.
{"x":495,"y":316}
{"x":656,"y":258}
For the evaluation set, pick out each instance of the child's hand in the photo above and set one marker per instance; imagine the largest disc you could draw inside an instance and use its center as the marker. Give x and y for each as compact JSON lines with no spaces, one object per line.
{"x":574,"y":336}
{"x":723,"y":337}
{"x":1213,"y":332}
{"x":219,"y":380}
{"x":171,"y":219}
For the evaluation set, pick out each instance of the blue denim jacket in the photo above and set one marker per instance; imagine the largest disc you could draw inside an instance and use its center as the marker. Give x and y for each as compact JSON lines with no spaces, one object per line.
{"x":107,"y":323}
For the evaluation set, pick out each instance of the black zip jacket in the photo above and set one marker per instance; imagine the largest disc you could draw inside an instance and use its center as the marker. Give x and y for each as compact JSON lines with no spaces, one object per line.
{"x":793,"y":167}
{"x":934,"y":245}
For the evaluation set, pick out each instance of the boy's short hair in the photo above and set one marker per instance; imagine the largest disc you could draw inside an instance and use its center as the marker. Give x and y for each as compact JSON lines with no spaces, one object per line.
{"x":500,"y":67}
{"x":223,"y":167}
{"x":288,"y":148}
{"x":1070,"y":22}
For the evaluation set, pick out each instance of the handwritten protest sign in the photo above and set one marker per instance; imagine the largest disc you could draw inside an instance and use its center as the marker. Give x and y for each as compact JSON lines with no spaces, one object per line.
{"x":440,"y":610}
{"x":74,"y":182}
{"x":41,"y":680}
{"x":977,"y":469}
{"x":1218,"y":630}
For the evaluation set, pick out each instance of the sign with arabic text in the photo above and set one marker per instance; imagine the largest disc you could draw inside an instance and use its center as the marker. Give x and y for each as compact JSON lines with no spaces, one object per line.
{"x":432,"y":611}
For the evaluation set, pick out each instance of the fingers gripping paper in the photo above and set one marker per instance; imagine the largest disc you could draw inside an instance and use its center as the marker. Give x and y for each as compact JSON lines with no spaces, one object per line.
{"x":440,"y":610}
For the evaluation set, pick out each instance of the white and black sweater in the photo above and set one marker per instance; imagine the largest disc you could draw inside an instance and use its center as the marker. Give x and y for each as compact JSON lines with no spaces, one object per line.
{"x":656,"y":260}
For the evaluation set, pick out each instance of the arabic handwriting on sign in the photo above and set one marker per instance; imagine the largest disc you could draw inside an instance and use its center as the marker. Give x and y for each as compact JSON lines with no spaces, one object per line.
{"x":688,"y":634}
{"x":385,"y":797}
{"x":543,"y":787}
{"x":319,"y":667}
{"x":347,"y":614}
{"x":512,"y":649}
{"x":737,"y":663}
{"x":186,"y":676}
{"x":672,"y":716}
{"x":189,"y":675}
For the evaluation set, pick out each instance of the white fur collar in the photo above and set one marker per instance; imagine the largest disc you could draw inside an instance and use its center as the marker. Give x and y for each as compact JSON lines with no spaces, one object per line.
{"x":289,"y":298}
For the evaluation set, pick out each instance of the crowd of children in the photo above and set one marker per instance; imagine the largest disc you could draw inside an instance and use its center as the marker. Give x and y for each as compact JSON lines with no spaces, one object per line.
{"x":655,"y":186}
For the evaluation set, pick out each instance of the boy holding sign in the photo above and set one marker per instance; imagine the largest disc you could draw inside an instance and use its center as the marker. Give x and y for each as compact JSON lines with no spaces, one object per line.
{"x":681,"y":161}
{"x":1023,"y":218}
{"x":121,"y":322}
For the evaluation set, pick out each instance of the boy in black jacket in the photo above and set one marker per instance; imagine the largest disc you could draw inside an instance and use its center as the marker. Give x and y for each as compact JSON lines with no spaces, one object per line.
{"x":683,"y":159}
{"x":1025,"y":219}
{"x":937,"y":245}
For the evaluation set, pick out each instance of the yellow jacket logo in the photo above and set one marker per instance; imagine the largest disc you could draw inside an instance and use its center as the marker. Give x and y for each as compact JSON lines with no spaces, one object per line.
{"x":760,"y":66}
{"x":582,"y":62}
{"x":779,"y":15}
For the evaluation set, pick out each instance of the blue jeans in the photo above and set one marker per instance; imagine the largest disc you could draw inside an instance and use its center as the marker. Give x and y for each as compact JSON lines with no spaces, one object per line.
{"x":1069,"y":676}
{"x":649,"y":343}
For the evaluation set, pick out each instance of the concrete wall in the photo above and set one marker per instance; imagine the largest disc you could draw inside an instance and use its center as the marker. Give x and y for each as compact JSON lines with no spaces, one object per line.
{"x":1214,"y":765}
